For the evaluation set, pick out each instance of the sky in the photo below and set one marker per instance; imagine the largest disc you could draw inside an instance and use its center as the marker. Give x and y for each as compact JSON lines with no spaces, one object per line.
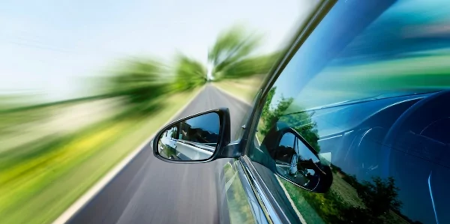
{"x":51,"y":47}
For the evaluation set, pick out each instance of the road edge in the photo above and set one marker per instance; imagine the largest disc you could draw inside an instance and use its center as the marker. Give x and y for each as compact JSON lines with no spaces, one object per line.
{"x":231,"y":95}
{"x":105,"y":180}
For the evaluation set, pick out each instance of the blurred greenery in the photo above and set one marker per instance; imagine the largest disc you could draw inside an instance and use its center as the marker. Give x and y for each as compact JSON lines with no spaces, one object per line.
{"x":377,"y":202}
{"x":140,"y":83}
{"x":43,"y":176}
{"x":189,"y":73}
{"x":256,"y":65}
{"x":244,"y":88}
{"x":348,"y":201}
{"x":230,"y":47}
{"x":233,"y":55}
{"x":42,"y":180}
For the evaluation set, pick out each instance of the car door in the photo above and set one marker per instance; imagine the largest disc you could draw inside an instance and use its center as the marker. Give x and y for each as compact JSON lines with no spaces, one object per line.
{"x":348,"y":90}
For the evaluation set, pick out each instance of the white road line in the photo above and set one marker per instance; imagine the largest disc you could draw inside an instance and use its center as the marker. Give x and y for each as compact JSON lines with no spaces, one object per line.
{"x":93,"y":191}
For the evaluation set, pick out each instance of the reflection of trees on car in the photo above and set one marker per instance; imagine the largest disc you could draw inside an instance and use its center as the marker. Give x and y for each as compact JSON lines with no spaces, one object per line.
{"x":379,"y":195}
{"x":174,"y":133}
{"x":377,"y":200}
{"x":378,"y":203}
{"x":301,"y":122}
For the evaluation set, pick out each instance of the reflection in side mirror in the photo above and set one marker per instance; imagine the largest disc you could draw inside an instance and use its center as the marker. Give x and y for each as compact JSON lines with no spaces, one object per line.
{"x":298,"y":163}
{"x":191,"y":139}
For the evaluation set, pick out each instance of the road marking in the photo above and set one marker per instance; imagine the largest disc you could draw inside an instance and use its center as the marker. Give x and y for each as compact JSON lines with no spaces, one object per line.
{"x":93,"y":191}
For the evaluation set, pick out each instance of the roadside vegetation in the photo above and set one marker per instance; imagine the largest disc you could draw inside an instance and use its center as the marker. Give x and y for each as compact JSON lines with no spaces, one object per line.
{"x":44,"y":181}
{"x":54,"y":152}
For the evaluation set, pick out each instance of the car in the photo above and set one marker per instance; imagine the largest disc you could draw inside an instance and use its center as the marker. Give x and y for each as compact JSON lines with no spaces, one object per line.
{"x":352,"y":125}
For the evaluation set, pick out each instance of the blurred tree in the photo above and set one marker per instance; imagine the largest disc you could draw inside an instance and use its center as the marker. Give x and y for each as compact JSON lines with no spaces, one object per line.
{"x":257,"y":65}
{"x":139,"y":83}
{"x":379,"y":198}
{"x":231,"y":55}
{"x":189,"y":73}
{"x":380,"y":195}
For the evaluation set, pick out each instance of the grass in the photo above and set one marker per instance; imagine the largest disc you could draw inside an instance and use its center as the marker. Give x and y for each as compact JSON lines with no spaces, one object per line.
{"x":39,"y":188}
{"x":244,"y":88}
{"x":305,"y":209}
{"x":346,"y":191}
{"x":20,"y":128}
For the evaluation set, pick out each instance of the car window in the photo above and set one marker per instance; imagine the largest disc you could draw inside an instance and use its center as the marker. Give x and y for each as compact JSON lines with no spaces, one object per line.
{"x":368,"y":91}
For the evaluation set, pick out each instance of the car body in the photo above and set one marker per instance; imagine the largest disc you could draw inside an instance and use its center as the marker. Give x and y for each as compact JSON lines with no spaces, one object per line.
{"x":363,"y":91}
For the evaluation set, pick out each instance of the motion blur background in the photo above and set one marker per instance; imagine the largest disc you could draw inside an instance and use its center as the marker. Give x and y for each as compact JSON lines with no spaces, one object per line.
{"x":83,"y":83}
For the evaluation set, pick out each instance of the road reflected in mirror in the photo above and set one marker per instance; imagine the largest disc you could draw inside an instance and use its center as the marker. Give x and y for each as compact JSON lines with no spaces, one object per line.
{"x":192,"y":139}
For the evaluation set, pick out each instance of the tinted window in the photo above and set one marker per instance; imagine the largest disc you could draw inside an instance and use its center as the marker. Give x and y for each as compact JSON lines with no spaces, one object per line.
{"x":369,"y":91}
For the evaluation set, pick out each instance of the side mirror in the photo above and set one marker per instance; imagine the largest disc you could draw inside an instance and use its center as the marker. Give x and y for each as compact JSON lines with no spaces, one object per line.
{"x":297,"y":162}
{"x":197,"y":138}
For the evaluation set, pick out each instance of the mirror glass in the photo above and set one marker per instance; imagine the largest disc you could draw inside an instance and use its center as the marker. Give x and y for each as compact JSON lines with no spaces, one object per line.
{"x":299,"y":164}
{"x":191,"y":139}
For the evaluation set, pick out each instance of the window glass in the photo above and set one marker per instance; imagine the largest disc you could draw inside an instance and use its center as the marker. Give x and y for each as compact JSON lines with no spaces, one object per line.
{"x":369,"y":92}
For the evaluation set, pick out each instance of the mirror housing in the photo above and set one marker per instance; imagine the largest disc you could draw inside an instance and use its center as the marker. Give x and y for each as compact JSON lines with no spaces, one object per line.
{"x":200,"y":151}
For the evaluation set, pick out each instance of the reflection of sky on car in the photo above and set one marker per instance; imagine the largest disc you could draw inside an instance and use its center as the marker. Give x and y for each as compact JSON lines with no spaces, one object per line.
{"x":209,"y":122}
{"x":324,"y":80}
{"x":343,"y":118}
{"x":412,"y":159}
{"x":310,"y":59}
{"x":287,"y":140}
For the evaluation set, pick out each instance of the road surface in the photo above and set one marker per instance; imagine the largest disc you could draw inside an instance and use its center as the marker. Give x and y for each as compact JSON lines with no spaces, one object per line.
{"x":148,"y":190}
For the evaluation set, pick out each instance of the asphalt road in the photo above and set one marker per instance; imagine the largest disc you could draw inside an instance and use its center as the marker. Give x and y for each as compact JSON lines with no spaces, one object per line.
{"x":148,"y":190}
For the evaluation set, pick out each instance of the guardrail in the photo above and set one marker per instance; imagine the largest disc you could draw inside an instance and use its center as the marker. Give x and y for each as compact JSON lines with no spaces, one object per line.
{"x":194,"y":151}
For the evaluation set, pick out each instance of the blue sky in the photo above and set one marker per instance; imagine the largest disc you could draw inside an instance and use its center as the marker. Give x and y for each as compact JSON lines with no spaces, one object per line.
{"x":50,"y":47}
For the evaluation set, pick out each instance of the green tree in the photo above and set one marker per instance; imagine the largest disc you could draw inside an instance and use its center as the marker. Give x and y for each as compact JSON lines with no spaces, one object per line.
{"x":275,"y":111}
{"x":379,"y":195}
{"x":256,"y":65}
{"x":139,"y":83}
{"x":189,"y":73}
{"x":231,"y":55}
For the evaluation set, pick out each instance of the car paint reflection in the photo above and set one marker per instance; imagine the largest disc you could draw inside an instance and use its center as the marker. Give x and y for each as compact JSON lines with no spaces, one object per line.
{"x":359,"y":150}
